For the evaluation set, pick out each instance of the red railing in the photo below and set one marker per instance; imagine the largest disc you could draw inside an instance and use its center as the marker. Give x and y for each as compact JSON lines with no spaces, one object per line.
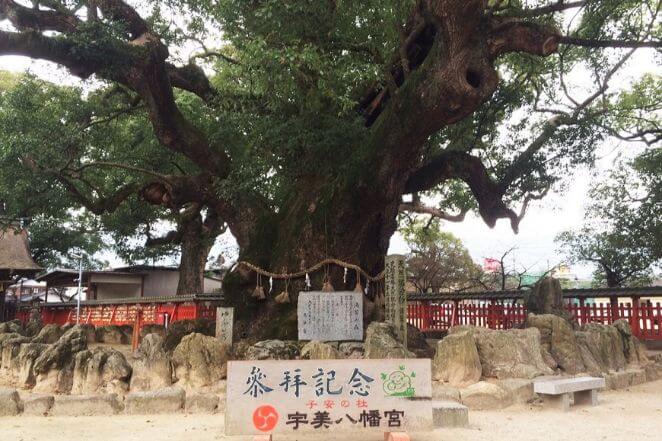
{"x":645,"y":319}
{"x":124,"y":313}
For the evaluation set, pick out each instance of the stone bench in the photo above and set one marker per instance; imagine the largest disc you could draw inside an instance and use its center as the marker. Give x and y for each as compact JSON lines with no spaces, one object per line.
{"x":557,"y":392}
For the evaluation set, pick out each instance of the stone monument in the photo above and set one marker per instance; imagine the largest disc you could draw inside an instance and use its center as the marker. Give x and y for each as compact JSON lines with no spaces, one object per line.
{"x":396,"y":296}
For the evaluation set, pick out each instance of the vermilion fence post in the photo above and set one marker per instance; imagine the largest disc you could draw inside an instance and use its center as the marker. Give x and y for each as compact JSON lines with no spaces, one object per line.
{"x":635,"y":322}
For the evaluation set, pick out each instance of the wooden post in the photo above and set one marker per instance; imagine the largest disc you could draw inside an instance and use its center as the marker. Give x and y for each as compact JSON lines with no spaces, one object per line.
{"x":454,"y":318}
{"x":135,"y":338}
{"x":635,"y":319}
{"x":614,"y":308}
{"x":582,"y":313}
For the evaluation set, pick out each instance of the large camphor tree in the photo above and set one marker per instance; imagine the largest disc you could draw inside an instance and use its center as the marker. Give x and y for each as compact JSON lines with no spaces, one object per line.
{"x":305,"y":122}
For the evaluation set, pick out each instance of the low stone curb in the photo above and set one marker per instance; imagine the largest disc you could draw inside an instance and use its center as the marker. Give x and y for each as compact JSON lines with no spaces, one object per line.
{"x":449,"y":414}
{"x":36,"y":405}
{"x":85,"y":405}
{"x":10,"y":402}
{"x":167,"y":400}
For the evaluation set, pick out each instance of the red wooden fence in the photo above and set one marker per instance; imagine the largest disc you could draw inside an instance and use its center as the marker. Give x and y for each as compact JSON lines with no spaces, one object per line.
{"x":124,"y":313}
{"x":645,"y":319}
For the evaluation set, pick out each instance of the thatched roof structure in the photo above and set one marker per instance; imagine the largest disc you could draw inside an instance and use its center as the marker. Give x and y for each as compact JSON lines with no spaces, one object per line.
{"x":15,"y":257}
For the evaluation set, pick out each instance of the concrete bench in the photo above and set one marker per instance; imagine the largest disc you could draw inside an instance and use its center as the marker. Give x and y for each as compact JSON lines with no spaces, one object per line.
{"x":557,"y":392}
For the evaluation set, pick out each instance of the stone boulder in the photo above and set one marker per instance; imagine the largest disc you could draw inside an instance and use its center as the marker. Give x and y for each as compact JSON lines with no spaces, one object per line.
{"x":152,"y":329}
{"x":152,"y":368}
{"x":558,"y":339}
{"x":633,"y":350}
{"x":546,"y":297}
{"x":200,"y":360}
{"x":351,"y":350}
{"x":515,"y":353}
{"x":178,"y":330}
{"x":27,"y":355}
{"x":485,"y":396}
{"x":100,"y":370}
{"x":381,"y":342}
{"x":10,"y":402}
{"x":272,"y":350}
{"x":33,"y":328}
{"x":48,"y":334}
{"x":112,"y":334}
{"x":417,"y":343}
{"x":317,"y":350}
{"x":54,"y":367}
{"x":12,"y":327}
{"x":10,"y":345}
{"x":457,"y":361}
{"x":605,"y":346}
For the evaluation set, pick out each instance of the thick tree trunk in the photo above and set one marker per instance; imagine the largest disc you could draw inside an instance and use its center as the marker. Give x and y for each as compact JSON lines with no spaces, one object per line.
{"x":354,"y":225}
{"x":195,"y":247}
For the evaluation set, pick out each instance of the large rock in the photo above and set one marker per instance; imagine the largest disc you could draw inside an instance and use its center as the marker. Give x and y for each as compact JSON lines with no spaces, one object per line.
{"x":558,"y":339}
{"x":48,"y":334}
{"x":168,"y":400}
{"x":54,"y":367}
{"x":86,"y":405}
{"x":381,"y":342}
{"x":152,"y":329}
{"x":100,"y":370}
{"x":27,"y":355}
{"x":417,"y":343}
{"x":351,"y":350}
{"x":317,"y":350}
{"x":200,"y":360}
{"x":12,"y":327}
{"x":112,"y":334}
{"x":10,"y":345}
{"x":10,"y":402}
{"x":181,"y":328}
{"x":485,"y":396}
{"x":633,"y":350}
{"x":605,"y":346}
{"x":546,"y":297}
{"x":33,"y":328}
{"x":152,"y":368}
{"x":272,"y":350}
{"x":457,"y":361}
{"x":515,"y":353}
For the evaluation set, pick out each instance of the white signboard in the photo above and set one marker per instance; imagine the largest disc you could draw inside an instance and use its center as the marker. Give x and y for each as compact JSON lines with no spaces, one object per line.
{"x":325,"y":396}
{"x":224,"y":325}
{"x":330,"y":316}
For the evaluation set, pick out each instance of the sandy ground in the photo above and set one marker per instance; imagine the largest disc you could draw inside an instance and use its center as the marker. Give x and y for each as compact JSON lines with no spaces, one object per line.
{"x":634,"y":414}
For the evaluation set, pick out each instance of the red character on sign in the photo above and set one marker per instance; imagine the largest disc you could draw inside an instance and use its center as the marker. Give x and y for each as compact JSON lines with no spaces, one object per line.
{"x":265,"y":418}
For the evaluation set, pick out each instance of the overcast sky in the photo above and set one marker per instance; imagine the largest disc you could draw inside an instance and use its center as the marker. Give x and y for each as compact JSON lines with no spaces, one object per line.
{"x":543,"y":221}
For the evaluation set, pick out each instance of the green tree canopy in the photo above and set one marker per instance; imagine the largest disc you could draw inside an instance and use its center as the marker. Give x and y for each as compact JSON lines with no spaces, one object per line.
{"x":303,"y":123}
{"x":622,"y":235}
